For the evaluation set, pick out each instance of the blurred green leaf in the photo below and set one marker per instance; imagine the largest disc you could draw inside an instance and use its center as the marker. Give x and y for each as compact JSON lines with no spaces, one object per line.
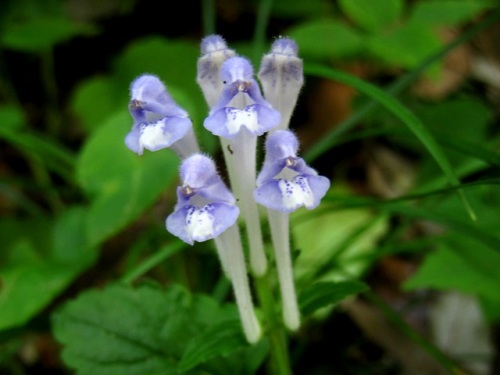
{"x":144,"y":330}
{"x":447,"y":12}
{"x":324,"y":39}
{"x":121,"y":183}
{"x":95,"y":99}
{"x":372,"y":15}
{"x":301,"y":9}
{"x":333,"y":245}
{"x":39,"y":34}
{"x":31,"y":277}
{"x":324,"y":294}
{"x":405,"y":46}
{"x":464,"y":118}
{"x":460,"y":263}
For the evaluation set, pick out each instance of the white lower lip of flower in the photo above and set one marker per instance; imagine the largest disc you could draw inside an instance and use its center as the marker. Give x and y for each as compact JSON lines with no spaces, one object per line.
{"x":237,"y":118}
{"x":199,"y":224}
{"x":153,"y":137}
{"x":296,"y":193}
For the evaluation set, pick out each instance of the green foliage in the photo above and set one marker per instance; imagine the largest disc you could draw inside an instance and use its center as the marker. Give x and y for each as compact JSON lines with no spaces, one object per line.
{"x":40,"y":34}
{"x":324,"y":294}
{"x":315,"y":37}
{"x":37,"y":271}
{"x":124,"y":330}
{"x":372,"y":15}
{"x":120,"y":184}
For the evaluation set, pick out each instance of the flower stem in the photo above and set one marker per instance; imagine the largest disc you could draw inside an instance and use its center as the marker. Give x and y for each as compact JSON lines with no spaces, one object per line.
{"x":280,"y":361}
{"x":230,"y":248}
{"x":240,"y":155}
{"x":279,"y":224}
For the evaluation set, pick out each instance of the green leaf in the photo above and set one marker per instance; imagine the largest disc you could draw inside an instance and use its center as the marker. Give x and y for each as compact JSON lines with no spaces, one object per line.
{"x":314,"y":39}
{"x":301,"y":9}
{"x":372,"y":15}
{"x":218,"y":340}
{"x":95,"y":99}
{"x":407,"y":117}
{"x":32,"y":277}
{"x":39,"y":34}
{"x":460,"y":263}
{"x":447,"y":12}
{"x":28,"y":287}
{"x":336,"y":245}
{"x":324,"y":294}
{"x":144,"y":330}
{"x":405,"y":46}
{"x":121,"y":183}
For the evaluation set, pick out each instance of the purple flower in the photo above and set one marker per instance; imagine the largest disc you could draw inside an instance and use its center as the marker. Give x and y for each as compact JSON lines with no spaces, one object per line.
{"x":158,"y":121}
{"x":285,"y":182}
{"x":205,"y":207}
{"x":256,"y":115}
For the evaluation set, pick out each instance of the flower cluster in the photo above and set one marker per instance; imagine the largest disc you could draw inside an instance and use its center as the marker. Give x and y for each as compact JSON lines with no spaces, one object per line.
{"x":239,"y":113}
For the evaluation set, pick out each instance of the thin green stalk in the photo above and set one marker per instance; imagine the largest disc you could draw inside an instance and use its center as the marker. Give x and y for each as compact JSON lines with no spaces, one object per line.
{"x":208,"y":16}
{"x":259,"y":37}
{"x":396,"y":88}
{"x":406,"y":117}
{"x":280,"y":361}
{"x":152,"y":262}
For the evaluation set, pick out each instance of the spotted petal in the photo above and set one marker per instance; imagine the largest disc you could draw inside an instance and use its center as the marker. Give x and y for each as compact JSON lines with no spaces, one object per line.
{"x":288,"y":195}
{"x":191,"y":223}
{"x":227,"y":122}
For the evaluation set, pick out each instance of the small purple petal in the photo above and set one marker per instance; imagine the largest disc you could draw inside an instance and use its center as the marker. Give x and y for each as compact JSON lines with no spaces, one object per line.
{"x":285,"y":46}
{"x":192,"y":223}
{"x":228,"y":122}
{"x":281,"y":144}
{"x":197,"y":170}
{"x":149,"y":95}
{"x":132,"y":139}
{"x":236,"y":69}
{"x":212,"y":43}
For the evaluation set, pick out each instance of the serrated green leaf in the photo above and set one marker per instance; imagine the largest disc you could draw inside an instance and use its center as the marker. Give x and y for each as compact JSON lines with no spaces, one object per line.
{"x":447,"y":12}
{"x":324,"y":294}
{"x":221,"y":339}
{"x":324,"y":39}
{"x":121,"y":183}
{"x":145,"y":330}
{"x":372,"y":15}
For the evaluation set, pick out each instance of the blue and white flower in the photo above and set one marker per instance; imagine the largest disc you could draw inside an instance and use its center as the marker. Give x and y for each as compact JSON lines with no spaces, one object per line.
{"x":227,"y":121}
{"x":158,"y":121}
{"x":285,"y":182}
{"x":205,"y":207}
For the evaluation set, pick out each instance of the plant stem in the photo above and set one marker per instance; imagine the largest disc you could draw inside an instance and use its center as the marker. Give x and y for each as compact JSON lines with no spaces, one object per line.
{"x":280,"y":361}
